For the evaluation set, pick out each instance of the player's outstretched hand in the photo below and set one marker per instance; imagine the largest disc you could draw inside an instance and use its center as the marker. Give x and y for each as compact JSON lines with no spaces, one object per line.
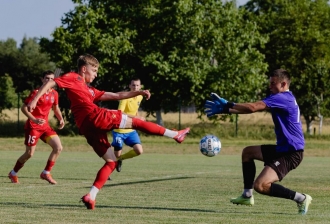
{"x":146,"y":94}
{"x":216,"y":98}
{"x":218,"y":105}
{"x":213,"y":107}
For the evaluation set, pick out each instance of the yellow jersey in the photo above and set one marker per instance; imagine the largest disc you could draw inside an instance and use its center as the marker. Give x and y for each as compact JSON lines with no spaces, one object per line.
{"x":129,"y":106}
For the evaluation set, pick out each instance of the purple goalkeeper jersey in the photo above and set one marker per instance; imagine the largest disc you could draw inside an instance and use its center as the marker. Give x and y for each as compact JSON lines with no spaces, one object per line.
{"x":286,"y":117}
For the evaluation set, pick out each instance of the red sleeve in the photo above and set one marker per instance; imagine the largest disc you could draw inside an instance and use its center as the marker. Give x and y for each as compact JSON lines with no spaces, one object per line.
{"x":97,"y":93}
{"x":30,"y":97}
{"x":66,"y":80}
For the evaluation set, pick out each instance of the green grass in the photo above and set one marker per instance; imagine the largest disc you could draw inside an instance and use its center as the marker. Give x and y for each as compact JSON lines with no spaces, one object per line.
{"x":170,"y":183}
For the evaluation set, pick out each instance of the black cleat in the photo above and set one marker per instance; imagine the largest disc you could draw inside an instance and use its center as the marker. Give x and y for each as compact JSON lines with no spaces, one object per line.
{"x":118,"y":167}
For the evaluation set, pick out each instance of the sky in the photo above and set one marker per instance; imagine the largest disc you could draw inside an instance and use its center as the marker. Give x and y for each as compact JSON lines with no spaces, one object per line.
{"x":31,"y":18}
{"x":35,"y":18}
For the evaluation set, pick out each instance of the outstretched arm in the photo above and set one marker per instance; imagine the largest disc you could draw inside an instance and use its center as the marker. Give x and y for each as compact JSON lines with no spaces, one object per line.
{"x":248,"y":108}
{"x":124,"y":95}
{"x":220,"y":105}
{"x":42,"y":90}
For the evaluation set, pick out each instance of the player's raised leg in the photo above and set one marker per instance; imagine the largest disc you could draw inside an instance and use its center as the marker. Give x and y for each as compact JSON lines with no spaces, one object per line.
{"x":152,"y":128}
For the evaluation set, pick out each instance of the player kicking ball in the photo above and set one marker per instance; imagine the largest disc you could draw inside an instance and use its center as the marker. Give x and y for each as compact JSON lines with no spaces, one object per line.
{"x":94,"y":122}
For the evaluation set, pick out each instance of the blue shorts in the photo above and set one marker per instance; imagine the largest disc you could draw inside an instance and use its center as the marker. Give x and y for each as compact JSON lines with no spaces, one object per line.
{"x":130,"y":139}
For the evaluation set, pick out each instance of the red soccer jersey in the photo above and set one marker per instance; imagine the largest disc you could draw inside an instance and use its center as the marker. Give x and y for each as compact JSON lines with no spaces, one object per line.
{"x":81,"y":96}
{"x":44,"y":104}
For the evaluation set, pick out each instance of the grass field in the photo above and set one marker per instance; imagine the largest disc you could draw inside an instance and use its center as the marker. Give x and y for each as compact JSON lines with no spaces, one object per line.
{"x":170,"y":183}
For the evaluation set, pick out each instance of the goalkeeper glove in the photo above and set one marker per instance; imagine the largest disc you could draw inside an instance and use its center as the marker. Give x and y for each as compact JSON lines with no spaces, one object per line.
{"x":212,"y":108}
{"x":217,"y":106}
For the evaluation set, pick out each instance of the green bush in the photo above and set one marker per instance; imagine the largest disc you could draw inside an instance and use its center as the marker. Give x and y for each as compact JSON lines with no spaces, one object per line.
{"x":10,"y":128}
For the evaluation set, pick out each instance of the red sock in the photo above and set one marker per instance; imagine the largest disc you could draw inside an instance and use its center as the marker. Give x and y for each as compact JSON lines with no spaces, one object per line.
{"x":49,"y":165}
{"x":18,"y":166}
{"x":104,"y":173}
{"x":147,"y":127}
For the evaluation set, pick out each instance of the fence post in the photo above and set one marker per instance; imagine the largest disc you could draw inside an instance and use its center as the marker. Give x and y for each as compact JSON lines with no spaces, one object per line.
{"x":18,"y":97}
{"x":236,"y":126}
{"x":179,"y":112}
{"x":236,"y":122}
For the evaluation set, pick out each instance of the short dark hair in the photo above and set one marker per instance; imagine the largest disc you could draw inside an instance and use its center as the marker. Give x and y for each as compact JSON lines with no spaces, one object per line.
{"x":48,"y":72}
{"x":281,"y":74}
{"x":135,"y":78}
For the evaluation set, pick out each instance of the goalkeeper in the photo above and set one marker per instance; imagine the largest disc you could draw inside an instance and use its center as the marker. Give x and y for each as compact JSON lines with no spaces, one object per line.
{"x":278,"y":159}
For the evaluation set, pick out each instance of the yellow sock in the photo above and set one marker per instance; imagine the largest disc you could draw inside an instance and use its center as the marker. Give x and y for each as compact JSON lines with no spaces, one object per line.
{"x":128,"y":155}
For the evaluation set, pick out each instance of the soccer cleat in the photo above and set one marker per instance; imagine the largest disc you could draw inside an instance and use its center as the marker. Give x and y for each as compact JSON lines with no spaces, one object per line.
{"x":118,"y":167}
{"x":14,"y":179}
{"x":243,"y":200}
{"x":48,"y":177}
{"x":181,"y":135}
{"x":303,"y":207}
{"x":89,"y":203}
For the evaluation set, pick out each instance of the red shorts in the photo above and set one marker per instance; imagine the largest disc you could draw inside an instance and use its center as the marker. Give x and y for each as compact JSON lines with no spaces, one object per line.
{"x":32,"y":135}
{"x":95,"y":129}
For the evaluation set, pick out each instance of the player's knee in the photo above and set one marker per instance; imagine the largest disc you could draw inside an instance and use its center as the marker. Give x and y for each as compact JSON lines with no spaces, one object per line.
{"x":261,"y":188}
{"x":29,"y":154}
{"x":138,"y":150}
{"x":58,"y":148}
{"x":247,"y":154}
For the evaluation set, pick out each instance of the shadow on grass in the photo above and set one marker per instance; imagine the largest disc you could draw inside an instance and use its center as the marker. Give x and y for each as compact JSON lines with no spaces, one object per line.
{"x":81,"y":206}
{"x":108,"y":184}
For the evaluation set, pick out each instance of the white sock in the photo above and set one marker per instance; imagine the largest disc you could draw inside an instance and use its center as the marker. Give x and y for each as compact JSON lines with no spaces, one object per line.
{"x":299,"y":198}
{"x":170,"y":133}
{"x":13,"y":173}
{"x":93,"y":192}
{"x":248,"y":192}
{"x":46,"y":172}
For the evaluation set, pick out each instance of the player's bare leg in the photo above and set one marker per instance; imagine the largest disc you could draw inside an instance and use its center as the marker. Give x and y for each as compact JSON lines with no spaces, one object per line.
{"x":55,"y":142}
{"x":29,"y":151}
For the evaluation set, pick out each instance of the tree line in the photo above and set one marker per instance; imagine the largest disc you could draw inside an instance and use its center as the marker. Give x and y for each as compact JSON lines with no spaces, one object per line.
{"x":184,"y":50}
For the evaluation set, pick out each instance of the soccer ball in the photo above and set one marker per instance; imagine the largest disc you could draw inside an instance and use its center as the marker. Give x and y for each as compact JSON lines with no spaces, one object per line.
{"x":210,"y":145}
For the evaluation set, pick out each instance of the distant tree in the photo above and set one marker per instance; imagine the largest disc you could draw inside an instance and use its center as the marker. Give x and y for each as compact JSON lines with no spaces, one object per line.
{"x":21,"y":69}
{"x":8,"y":97}
{"x":299,"y":41}
{"x":9,"y":55}
{"x":24,"y":64}
{"x":181,"y":50}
